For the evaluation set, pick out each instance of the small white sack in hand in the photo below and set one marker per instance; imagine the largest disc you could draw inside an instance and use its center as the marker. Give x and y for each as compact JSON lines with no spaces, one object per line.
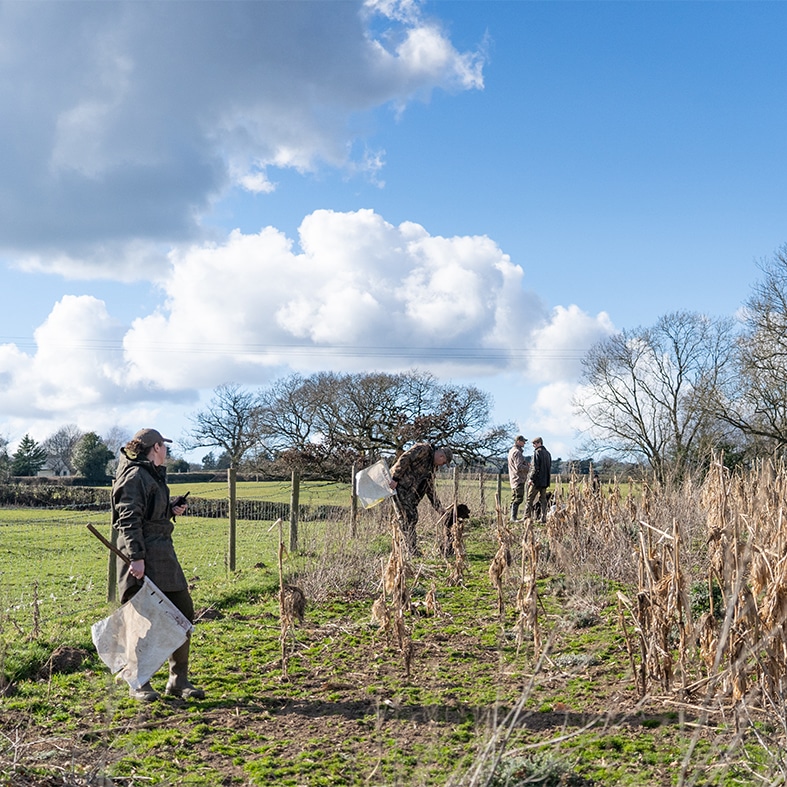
{"x":137,"y":638}
{"x":372,"y":484}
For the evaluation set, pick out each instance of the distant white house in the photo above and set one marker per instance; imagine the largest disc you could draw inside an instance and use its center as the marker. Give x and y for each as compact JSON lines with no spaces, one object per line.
{"x":54,"y":468}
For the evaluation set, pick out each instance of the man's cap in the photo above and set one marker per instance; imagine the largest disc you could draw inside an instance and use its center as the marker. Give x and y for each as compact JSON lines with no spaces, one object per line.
{"x":149,"y":437}
{"x":520,"y":439}
{"x":449,"y":455}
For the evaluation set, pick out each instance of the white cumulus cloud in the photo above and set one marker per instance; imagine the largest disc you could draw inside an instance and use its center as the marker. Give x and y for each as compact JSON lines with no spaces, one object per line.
{"x":141,"y":115}
{"x":352,"y":292}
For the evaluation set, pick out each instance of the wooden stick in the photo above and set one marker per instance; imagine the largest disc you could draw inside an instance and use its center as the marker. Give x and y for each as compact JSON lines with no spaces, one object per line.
{"x":108,"y":544}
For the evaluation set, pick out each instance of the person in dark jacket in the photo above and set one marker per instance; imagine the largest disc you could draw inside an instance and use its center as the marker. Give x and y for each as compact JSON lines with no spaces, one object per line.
{"x":413,"y":478}
{"x":539,"y":479}
{"x":143,"y":513}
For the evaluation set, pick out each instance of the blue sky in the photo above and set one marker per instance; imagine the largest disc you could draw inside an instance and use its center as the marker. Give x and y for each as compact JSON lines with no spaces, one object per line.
{"x":488,"y":187}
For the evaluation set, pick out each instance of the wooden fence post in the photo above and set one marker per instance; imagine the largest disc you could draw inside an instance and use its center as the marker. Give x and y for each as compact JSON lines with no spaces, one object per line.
{"x":481,"y":494}
{"x":354,"y":504}
{"x":295,"y":493}
{"x":232,"y":515}
{"x":500,"y":487}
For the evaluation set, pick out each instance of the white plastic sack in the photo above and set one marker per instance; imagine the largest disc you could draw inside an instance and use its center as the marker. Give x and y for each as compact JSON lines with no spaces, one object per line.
{"x":137,"y":638}
{"x":372,"y":484}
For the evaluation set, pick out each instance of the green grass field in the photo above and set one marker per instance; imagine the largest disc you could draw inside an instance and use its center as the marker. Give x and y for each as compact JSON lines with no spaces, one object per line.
{"x":346,"y":711}
{"x":49,"y":561}
{"x":53,"y":574}
{"x":311,"y":492}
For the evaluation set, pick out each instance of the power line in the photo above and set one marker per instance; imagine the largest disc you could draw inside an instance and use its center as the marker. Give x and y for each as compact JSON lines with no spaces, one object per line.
{"x":488,"y":354}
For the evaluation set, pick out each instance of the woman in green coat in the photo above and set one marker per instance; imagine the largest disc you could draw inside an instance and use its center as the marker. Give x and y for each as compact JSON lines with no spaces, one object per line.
{"x":143,"y":514}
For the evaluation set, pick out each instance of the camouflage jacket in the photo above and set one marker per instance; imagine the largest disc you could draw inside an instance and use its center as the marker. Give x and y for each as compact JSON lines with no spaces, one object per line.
{"x":414,"y":473}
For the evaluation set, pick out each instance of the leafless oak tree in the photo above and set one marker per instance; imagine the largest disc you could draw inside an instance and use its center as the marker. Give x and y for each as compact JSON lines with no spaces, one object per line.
{"x":650,"y":392}
{"x":331,"y":417}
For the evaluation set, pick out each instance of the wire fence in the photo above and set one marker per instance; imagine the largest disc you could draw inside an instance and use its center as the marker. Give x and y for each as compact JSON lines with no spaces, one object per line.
{"x":52,"y":568}
{"x":479,"y":486}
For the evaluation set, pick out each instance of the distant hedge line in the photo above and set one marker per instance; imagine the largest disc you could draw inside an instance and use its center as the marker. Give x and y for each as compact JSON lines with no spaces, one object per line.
{"x":82,"y":498}
{"x":49,"y":495}
{"x":203,"y":476}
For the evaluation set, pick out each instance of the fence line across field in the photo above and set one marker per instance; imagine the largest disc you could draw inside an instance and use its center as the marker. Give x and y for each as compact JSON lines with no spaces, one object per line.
{"x":475,"y":484}
{"x":66,"y":570}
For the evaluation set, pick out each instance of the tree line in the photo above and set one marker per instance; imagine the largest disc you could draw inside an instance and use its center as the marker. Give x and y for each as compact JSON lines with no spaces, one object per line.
{"x":327,"y":421}
{"x":322,"y":423}
{"x":691,"y":387}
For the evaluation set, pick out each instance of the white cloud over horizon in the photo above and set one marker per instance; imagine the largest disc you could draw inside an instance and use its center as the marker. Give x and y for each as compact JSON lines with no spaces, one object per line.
{"x":353,"y":293}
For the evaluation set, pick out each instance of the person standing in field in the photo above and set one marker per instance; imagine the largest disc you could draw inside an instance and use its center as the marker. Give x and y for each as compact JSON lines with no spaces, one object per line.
{"x":539,"y":479}
{"x":143,"y":515}
{"x":518,"y":468}
{"x":413,"y":478}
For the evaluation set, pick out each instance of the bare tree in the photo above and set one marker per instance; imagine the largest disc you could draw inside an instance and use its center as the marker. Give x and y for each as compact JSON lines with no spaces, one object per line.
{"x":461,"y":419}
{"x":332,"y":419}
{"x":293,"y":416}
{"x":756,"y":396}
{"x":374,"y":412}
{"x":115,"y":439}
{"x":650,"y":392}
{"x":231,"y":421}
{"x":291,"y":410}
{"x":60,"y":446}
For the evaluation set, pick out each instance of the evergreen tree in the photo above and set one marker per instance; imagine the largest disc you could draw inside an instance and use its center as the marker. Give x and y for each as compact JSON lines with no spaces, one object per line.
{"x":178,"y":465}
{"x":90,"y":458}
{"x":29,"y":458}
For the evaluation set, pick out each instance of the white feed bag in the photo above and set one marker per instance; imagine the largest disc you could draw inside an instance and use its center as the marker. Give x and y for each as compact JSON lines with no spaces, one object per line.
{"x":372,"y":484}
{"x":137,"y":638}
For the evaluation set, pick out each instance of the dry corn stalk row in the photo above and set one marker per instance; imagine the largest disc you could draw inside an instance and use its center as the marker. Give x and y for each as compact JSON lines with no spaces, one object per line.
{"x":527,"y":595}
{"x":740,"y":640}
{"x":292,"y":604}
{"x":501,"y":561}
{"x":394,"y":603}
{"x":661,"y":612}
{"x":431,"y":603}
{"x":459,"y":566}
{"x":726,"y":535}
{"x":593,"y":529}
{"x":745,"y":547}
